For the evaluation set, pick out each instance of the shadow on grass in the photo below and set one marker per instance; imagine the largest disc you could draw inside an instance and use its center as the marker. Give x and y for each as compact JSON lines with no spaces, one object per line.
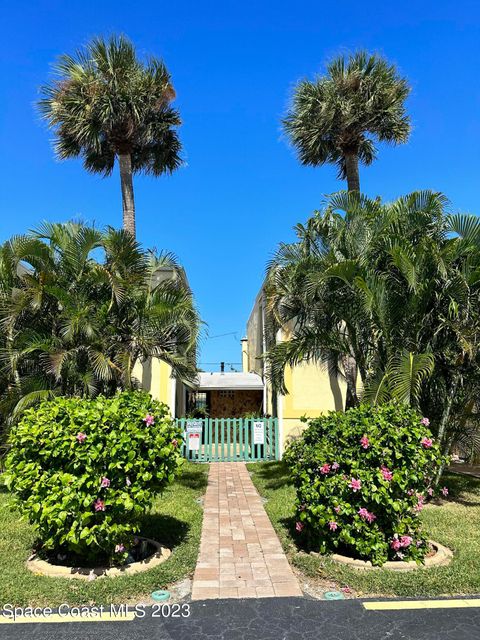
{"x":164,"y":529}
{"x":275,"y":474}
{"x":461,"y":489}
{"x":193,"y":479}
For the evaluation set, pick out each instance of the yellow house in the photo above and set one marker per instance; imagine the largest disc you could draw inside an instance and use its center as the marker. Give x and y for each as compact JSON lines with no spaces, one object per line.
{"x":155,"y":376}
{"x":312,"y":390}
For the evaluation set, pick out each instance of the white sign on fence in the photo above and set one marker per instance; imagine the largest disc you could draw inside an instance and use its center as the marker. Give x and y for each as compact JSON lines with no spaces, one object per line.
{"x":258,"y":433}
{"x":193,"y":441}
{"x":194,"y":429}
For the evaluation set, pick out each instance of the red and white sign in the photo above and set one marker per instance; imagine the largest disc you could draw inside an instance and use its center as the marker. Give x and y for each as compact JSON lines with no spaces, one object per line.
{"x":194,"y":441}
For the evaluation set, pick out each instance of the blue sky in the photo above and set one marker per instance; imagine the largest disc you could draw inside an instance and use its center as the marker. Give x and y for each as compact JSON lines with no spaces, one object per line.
{"x":234,"y":65}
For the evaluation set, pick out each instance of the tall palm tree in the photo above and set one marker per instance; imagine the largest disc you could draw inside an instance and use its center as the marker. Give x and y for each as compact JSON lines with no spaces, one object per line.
{"x":338,"y":118}
{"x":106,"y":105}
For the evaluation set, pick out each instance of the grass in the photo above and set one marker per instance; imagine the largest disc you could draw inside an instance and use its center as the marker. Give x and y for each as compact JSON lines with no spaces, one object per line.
{"x":175,"y":520}
{"x":455,"y":523}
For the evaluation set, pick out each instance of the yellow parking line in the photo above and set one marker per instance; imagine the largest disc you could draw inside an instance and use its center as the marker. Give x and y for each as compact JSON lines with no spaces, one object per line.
{"x":55,"y":618}
{"x":394,"y":605}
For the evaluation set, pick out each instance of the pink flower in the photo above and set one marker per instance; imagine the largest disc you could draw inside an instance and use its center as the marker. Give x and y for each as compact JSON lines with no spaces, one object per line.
{"x":128,"y":482}
{"x":333,"y":525}
{"x":445,"y":491}
{"x":427,"y":442}
{"x":406,"y":541}
{"x":346,"y":589}
{"x":364,"y":441}
{"x":335,"y":466}
{"x":386,"y":473}
{"x":425,"y":422}
{"x":355,"y":484}
{"x":395,"y":543}
{"x":149,"y":420}
{"x":430,"y":491}
{"x":119,"y":548}
{"x":366,"y":515}
{"x":299,"y":526}
{"x":410,"y":492}
{"x":336,"y":509}
{"x":81,"y":437}
{"x":105,"y":483}
{"x":175,"y":442}
{"x":419,"y":506}
{"x":99,"y":505}
{"x":325,"y":469}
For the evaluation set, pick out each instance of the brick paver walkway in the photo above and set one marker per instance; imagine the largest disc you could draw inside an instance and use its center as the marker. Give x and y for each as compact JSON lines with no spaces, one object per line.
{"x":240,"y":554}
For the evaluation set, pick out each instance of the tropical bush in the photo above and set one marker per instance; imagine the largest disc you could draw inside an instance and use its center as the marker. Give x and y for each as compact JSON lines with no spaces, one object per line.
{"x":85,"y":470}
{"x":386,"y":294}
{"x":80,"y":306}
{"x":362,"y":478}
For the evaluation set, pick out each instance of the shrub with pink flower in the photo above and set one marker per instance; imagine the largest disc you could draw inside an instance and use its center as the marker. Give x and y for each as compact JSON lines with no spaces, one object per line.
{"x":365,"y":442}
{"x":85,"y":492}
{"x":325,"y":468}
{"x":375,"y":500}
{"x":406,"y":541}
{"x":355,"y":484}
{"x":365,"y":514}
{"x":425,"y":422}
{"x":427,"y":442}
{"x":386,"y":473}
{"x":99,"y":505}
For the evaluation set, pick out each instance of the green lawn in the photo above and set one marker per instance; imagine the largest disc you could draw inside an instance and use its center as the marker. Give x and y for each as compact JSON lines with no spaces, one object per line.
{"x":455,"y":523}
{"x":175,"y":520}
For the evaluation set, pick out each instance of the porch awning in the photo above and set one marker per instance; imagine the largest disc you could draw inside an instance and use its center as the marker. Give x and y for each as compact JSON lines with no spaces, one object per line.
{"x":234,"y":381}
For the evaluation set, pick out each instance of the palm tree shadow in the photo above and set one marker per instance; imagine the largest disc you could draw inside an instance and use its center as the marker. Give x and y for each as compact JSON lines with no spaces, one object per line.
{"x":164,"y":529}
{"x":275,"y":474}
{"x":462,"y":487}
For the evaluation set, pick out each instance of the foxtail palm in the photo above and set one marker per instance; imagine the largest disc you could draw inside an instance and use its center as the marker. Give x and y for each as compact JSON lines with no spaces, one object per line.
{"x":338,"y":118}
{"x":76,"y":325}
{"x":107,"y":106}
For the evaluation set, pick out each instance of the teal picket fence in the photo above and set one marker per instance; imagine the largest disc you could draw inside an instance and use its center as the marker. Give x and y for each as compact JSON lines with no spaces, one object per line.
{"x":230,"y":439}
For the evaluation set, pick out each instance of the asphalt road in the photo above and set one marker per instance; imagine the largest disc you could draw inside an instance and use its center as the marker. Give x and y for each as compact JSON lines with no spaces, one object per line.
{"x":270,"y":619}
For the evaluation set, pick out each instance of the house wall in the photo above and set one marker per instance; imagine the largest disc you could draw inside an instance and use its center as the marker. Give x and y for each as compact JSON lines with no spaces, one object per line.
{"x":312,"y":392}
{"x":255,"y":336}
{"x":155,"y":376}
{"x":234,"y":404}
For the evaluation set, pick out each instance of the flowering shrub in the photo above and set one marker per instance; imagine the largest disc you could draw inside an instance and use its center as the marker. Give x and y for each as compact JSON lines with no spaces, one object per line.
{"x":362,"y":477}
{"x":84,"y":471}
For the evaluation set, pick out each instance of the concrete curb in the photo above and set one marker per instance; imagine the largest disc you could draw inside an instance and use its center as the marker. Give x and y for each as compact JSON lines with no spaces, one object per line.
{"x":442,"y":558}
{"x":42,"y":567}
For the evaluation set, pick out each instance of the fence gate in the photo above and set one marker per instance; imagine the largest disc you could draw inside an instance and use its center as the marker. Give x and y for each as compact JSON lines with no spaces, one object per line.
{"x":230,"y":439}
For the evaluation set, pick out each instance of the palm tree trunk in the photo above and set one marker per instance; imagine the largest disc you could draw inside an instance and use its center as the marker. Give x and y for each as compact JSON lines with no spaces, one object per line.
{"x":445,"y":447}
{"x":128,"y":202}
{"x":351,"y":169}
{"x":350,"y":370}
